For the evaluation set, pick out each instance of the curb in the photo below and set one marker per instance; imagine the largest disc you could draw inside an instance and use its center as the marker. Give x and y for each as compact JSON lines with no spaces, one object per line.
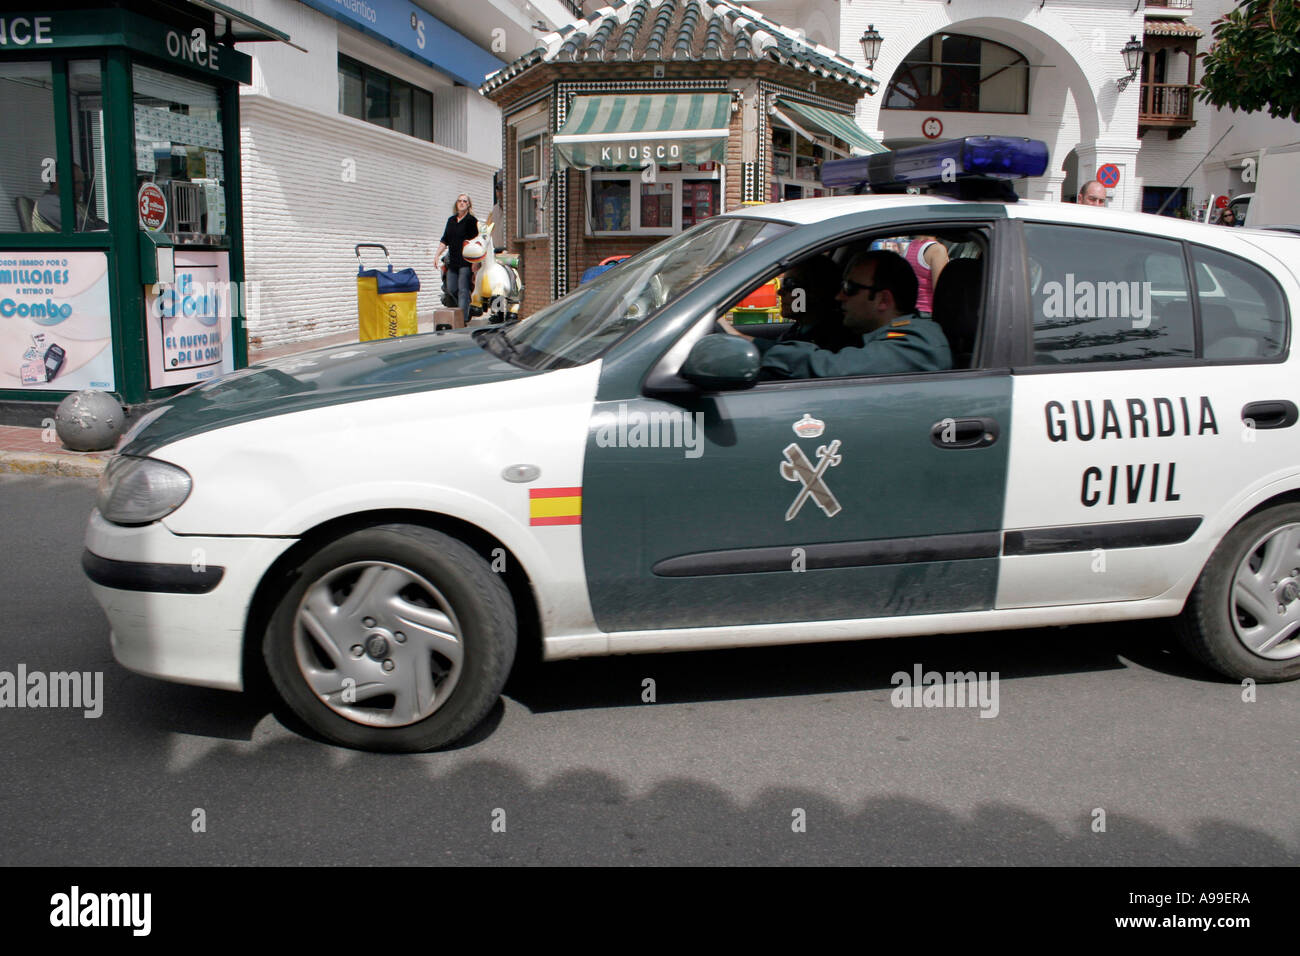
{"x":65,"y":466}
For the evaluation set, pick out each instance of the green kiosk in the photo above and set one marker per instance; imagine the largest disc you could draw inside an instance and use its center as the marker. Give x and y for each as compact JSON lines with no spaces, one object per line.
{"x":121,"y":241}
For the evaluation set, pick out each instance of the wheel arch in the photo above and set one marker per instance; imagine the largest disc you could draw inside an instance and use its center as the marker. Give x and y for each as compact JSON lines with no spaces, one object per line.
{"x":281,"y":572}
{"x":1183,"y":588}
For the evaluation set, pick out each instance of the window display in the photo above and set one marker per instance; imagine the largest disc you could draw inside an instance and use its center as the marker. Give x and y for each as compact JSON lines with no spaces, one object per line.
{"x":701,"y":199}
{"x":656,"y":205}
{"x":27,"y":148}
{"x":796,"y":164}
{"x":89,"y":172}
{"x":179,"y":147}
{"x":681,"y":196}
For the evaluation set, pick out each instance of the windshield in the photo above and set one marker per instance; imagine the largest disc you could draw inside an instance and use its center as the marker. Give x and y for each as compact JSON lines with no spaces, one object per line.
{"x":578,"y":327}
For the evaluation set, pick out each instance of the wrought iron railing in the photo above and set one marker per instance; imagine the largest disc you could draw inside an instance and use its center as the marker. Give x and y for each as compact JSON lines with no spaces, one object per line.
{"x":1170,"y":4}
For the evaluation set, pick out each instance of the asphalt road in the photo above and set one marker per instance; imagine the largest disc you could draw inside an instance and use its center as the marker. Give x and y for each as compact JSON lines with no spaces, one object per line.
{"x":581,"y":770}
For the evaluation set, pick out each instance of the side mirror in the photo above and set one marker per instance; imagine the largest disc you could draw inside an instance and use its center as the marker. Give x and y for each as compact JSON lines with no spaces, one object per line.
{"x":719,"y":362}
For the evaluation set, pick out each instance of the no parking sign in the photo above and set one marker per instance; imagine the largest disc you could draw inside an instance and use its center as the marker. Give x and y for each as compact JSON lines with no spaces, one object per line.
{"x":1108,"y":175}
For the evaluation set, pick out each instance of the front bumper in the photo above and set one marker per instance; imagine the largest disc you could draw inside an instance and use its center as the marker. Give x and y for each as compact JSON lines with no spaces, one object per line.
{"x":177,"y":604}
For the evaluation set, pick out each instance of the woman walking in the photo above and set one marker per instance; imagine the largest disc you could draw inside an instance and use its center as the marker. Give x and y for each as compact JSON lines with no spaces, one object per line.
{"x":461,"y":225}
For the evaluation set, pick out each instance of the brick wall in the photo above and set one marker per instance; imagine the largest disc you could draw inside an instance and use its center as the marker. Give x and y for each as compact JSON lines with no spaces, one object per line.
{"x":535,"y":273}
{"x":735,"y":174}
{"x":315,"y":184}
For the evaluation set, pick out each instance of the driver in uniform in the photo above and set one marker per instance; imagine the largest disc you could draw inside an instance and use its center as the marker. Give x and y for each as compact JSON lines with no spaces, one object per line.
{"x":878,"y":296}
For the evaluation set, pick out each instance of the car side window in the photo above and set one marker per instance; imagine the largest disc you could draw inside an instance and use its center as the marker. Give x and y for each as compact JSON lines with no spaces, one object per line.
{"x":1242,"y":311}
{"x":1105,"y":296}
{"x":936,"y":328}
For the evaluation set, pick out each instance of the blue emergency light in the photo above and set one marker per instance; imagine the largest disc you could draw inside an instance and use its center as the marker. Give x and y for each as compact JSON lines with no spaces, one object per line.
{"x":937,"y":164}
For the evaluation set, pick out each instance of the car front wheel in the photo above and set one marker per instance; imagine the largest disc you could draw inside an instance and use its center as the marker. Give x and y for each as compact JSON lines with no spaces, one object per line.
{"x":395,"y":638}
{"x":1243,"y":616}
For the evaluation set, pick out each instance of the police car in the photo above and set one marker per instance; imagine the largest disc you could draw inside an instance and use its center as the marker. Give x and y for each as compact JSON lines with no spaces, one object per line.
{"x":382,"y":528}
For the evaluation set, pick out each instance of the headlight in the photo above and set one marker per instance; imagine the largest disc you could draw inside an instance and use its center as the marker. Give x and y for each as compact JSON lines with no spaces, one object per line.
{"x":140,"y":490}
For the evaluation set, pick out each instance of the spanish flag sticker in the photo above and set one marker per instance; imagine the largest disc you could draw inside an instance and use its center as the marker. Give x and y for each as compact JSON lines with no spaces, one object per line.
{"x":555,"y":506}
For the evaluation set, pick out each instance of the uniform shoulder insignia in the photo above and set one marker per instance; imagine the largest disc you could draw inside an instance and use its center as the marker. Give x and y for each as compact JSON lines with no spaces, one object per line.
{"x":895,"y":335}
{"x":898,"y":322}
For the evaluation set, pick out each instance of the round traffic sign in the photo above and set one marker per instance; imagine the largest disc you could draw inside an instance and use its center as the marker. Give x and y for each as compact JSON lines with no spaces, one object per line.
{"x":932,"y":127}
{"x":1221,"y":202}
{"x":152,"y":203}
{"x":1108,"y":175}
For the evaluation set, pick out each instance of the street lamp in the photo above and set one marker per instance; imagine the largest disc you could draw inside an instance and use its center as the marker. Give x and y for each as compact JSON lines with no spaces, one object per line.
{"x":1132,"y":53}
{"x":871,"y":40}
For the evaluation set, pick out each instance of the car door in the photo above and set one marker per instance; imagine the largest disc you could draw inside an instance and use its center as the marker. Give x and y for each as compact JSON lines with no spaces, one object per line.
{"x":1152,"y":395}
{"x":811,"y":500}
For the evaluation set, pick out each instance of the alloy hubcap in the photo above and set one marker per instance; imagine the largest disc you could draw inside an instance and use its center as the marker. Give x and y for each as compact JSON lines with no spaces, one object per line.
{"x":1266,"y":595}
{"x":378,"y":644}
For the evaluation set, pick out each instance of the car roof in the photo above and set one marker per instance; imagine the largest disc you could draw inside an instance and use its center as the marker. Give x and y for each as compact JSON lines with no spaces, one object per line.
{"x":802,"y":212}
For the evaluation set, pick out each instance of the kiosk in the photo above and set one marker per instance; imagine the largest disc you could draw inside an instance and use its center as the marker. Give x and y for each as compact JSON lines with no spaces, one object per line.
{"x":121,"y":259}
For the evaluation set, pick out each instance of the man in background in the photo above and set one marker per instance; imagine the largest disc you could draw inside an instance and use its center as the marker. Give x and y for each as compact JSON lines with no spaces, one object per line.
{"x":1093,"y":193}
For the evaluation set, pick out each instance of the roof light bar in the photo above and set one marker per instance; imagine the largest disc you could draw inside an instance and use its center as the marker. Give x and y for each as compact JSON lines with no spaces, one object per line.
{"x":947,"y":161}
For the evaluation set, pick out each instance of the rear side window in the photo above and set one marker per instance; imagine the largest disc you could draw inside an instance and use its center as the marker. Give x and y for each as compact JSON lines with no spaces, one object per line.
{"x":1105,"y":296}
{"x":1242,"y":312}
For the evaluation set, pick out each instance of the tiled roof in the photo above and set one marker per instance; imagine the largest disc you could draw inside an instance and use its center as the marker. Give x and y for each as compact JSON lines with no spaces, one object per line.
{"x":632,"y":31}
{"x":1161,"y":27}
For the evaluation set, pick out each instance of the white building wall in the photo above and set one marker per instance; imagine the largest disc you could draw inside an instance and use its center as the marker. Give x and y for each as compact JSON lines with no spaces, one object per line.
{"x":316,"y":182}
{"x":1075,"y":105}
{"x":1074,"y":57}
{"x":288,"y":75}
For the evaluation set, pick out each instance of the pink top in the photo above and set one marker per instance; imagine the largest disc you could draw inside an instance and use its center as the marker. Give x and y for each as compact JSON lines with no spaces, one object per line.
{"x":925,"y":287}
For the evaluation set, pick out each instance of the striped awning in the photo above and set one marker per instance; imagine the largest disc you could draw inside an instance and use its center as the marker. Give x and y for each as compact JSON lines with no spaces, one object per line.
{"x":840,"y":125}
{"x":645,"y":128}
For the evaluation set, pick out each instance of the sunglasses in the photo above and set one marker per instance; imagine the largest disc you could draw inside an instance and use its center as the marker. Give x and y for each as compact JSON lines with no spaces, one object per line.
{"x":849,"y":287}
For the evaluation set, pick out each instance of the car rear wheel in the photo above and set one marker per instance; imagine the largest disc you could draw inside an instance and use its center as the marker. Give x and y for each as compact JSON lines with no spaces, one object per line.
{"x":395,"y":638}
{"x":1243,"y":616}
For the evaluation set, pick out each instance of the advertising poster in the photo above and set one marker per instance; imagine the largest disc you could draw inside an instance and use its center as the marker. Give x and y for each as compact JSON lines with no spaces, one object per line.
{"x":55,"y":326}
{"x":189,"y":321}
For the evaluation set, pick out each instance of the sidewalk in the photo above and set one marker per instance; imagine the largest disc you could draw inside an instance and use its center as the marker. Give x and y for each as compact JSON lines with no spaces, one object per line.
{"x":38,"y":451}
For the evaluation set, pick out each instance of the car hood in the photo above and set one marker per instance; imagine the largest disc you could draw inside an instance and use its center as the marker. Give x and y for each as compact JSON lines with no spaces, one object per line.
{"x":330,"y":376}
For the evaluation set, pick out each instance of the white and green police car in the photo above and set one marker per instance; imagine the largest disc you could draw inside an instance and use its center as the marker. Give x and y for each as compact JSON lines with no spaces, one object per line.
{"x":381,"y":527}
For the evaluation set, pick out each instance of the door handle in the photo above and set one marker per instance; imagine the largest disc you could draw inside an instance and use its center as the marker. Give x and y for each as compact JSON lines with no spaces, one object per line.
{"x":954,"y":433}
{"x":1275,"y":414}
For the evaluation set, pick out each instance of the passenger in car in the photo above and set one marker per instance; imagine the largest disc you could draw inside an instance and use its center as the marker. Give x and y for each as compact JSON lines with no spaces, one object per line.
{"x":878,"y":295}
{"x":808,"y":299}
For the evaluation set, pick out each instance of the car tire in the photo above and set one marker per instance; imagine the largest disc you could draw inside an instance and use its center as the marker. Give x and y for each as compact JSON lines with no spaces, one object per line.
{"x":1231,"y":621}
{"x":414,"y":619}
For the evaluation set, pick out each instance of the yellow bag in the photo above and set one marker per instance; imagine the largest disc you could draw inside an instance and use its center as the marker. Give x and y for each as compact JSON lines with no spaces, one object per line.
{"x":395,"y":315}
{"x":386,"y":303}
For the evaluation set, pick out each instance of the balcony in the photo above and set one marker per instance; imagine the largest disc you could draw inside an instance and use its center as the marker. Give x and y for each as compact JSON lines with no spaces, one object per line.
{"x":1171,"y":6}
{"x":1166,"y":106}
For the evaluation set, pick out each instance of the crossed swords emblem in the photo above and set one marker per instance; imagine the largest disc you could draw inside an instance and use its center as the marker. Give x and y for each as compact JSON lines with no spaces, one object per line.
{"x":797,"y":467}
